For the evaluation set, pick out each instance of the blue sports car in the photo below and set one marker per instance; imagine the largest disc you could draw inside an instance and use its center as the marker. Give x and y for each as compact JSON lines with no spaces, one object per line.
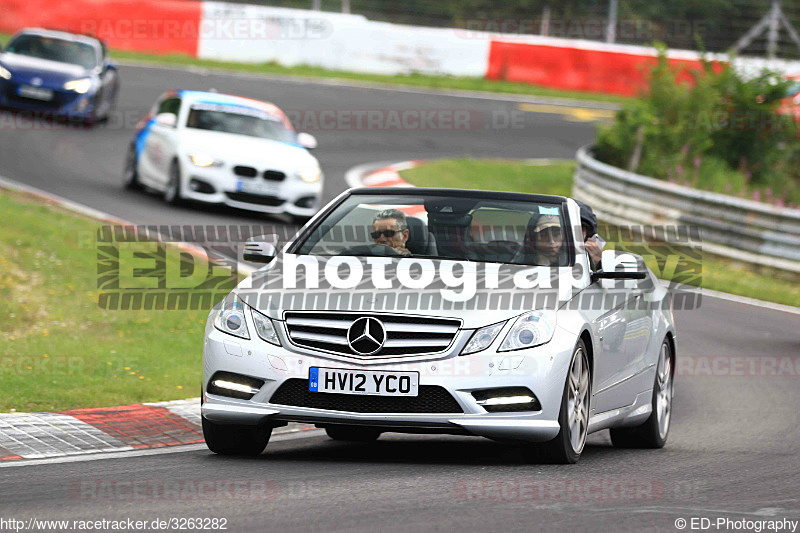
{"x":58,"y":74}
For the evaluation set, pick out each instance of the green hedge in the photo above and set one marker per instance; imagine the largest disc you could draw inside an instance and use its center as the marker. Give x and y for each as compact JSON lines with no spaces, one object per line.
{"x":721,"y":132}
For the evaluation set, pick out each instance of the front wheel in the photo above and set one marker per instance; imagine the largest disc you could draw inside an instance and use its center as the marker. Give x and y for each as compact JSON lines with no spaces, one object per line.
{"x":227,"y":439}
{"x":573,"y":417}
{"x":172,"y":194}
{"x":130,"y":175}
{"x":653,"y":433}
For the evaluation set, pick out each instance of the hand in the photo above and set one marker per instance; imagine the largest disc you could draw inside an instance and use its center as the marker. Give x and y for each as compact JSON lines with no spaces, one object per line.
{"x":595,"y":251}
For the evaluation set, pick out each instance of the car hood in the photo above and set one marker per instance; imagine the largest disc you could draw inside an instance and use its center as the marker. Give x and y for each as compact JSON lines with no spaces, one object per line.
{"x":241,"y":149}
{"x":24,"y":68}
{"x":267,"y":290}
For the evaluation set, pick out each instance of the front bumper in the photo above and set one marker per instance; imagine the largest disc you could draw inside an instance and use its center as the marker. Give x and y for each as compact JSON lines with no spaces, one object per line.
{"x":542,"y":369}
{"x":65,"y":104}
{"x":220,"y":186}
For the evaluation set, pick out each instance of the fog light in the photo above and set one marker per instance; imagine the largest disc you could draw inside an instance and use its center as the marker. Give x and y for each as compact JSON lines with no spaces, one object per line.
{"x":306,"y":201}
{"x":234,"y":385}
{"x":507,"y":399}
{"x":201,"y":186}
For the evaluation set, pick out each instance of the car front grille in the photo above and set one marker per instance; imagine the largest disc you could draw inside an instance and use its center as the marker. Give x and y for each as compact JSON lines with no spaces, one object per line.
{"x":245,"y":172}
{"x":405,"y":335}
{"x":257,"y":199}
{"x":274,"y":175}
{"x":430,"y":399}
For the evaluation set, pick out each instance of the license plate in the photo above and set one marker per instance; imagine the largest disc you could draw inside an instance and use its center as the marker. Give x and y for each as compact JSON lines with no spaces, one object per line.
{"x":257,"y":187}
{"x":369,"y":382}
{"x":37,"y":93}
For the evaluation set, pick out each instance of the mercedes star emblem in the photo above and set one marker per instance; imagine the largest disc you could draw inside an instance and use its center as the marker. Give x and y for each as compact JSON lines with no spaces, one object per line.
{"x":366,"y":336}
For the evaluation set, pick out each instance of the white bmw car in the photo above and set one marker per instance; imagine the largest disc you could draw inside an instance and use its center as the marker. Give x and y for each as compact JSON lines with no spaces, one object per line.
{"x":223,"y":149}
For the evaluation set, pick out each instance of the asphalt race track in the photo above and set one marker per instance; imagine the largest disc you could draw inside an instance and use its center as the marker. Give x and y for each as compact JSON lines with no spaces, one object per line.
{"x":734,"y":441}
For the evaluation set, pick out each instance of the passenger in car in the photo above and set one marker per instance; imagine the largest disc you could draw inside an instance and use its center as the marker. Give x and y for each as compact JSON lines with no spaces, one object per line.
{"x":547,"y":238}
{"x":590,"y":241}
{"x":390,"y":228}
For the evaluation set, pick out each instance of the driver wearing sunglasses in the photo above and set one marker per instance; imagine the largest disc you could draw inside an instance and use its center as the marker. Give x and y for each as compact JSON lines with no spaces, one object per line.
{"x":391,"y":229}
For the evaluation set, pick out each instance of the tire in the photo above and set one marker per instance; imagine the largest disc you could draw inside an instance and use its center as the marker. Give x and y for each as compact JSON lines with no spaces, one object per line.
{"x":353,"y":433}
{"x":227,"y":439}
{"x":130,"y":176}
{"x":568,"y":445}
{"x":654,"y":432}
{"x":172,"y":194}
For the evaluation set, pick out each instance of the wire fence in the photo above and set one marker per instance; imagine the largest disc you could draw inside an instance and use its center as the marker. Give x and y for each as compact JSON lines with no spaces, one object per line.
{"x":712,"y":25}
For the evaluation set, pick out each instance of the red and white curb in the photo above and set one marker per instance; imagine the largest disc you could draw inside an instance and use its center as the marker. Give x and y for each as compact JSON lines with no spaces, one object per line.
{"x":104,"y":429}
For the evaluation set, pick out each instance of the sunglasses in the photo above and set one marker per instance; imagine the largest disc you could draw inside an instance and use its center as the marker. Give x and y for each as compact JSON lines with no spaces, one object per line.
{"x":388,"y":233}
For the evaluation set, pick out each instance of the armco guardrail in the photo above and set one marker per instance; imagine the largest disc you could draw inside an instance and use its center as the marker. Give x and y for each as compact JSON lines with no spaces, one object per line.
{"x":733,"y":227}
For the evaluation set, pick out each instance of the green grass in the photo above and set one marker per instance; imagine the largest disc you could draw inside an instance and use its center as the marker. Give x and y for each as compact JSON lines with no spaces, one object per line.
{"x":716,"y":273}
{"x":414,"y":80}
{"x":58,"y":348}
{"x":494,"y":175}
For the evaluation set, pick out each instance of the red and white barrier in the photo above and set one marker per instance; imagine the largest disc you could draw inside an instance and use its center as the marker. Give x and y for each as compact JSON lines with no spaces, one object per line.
{"x":259,"y":34}
{"x":157,"y":26}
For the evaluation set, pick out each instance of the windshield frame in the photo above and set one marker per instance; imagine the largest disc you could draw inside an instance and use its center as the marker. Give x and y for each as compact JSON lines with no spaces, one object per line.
{"x":97,"y":49}
{"x":305,"y":233}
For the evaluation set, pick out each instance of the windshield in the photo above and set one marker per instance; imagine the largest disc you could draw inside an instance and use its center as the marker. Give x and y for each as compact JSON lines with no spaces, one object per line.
{"x":73,"y":52}
{"x":239,"y":120}
{"x":443,"y":227}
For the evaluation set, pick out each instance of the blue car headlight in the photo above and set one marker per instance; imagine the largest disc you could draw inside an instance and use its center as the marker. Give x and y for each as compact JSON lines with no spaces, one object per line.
{"x":81,"y":86}
{"x":5,"y":73}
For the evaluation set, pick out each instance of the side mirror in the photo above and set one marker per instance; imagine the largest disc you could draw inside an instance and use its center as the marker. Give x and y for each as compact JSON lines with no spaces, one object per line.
{"x":111,"y":66}
{"x":616,"y":266}
{"x":618,"y":275}
{"x":166,"y":119}
{"x":262,"y":249}
{"x":307,"y":141}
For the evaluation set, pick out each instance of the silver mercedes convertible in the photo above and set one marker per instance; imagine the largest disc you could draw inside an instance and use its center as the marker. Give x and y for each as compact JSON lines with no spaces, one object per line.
{"x":442,"y":311}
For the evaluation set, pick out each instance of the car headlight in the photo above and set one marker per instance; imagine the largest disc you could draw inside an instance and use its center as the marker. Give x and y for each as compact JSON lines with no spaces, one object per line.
{"x":204,"y":160}
{"x":230,"y":318}
{"x":482,"y":338}
{"x":80,"y":86}
{"x":310,"y":175}
{"x":265,"y":328}
{"x":529,"y":330}
{"x":5,"y":73}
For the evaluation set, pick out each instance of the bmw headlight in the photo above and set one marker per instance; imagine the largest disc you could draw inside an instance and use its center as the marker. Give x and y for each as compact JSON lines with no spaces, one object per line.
{"x":310,"y":175}
{"x":230,"y":318}
{"x":482,"y":338}
{"x":529,"y":330}
{"x":204,"y":161}
{"x":5,"y":73}
{"x":265,"y":328}
{"x":80,"y":86}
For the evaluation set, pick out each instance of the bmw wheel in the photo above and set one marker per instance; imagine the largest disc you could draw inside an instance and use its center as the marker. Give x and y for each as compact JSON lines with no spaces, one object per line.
{"x":226,"y":439}
{"x":130,"y":176}
{"x":653,"y":433}
{"x":173,"y":192}
{"x":573,"y":418}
